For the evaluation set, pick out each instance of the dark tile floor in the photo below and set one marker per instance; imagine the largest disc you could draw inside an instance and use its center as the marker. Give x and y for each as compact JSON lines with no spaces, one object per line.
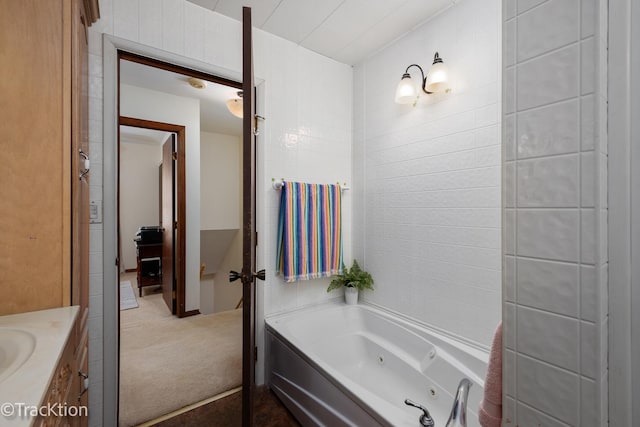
{"x":227,"y":412}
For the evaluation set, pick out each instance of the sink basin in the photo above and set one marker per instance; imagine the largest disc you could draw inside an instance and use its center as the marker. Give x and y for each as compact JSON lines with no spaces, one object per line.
{"x":16,"y":346}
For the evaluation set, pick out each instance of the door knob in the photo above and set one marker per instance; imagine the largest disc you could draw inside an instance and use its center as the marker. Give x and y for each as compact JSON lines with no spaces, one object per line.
{"x":233,"y":276}
{"x":259,"y":275}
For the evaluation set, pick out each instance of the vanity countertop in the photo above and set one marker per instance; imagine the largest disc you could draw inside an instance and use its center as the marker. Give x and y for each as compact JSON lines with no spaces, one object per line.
{"x":29,"y":383}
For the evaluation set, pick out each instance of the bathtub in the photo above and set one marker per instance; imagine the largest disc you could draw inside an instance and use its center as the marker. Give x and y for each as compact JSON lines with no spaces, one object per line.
{"x":340,"y":365}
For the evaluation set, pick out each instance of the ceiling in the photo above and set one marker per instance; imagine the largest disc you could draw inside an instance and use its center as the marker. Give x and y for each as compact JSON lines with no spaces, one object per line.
{"x":345,"y":30}
{"x":142,"y":135}
{"x":214,"y":116}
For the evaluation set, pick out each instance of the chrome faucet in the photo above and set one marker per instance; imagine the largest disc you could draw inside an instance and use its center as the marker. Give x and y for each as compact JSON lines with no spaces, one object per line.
{"x":425,"y":418}
{"x":458,"y":416}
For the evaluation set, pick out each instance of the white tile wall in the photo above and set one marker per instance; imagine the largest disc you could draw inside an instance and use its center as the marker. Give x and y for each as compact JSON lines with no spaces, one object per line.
{"x":427,"y":178}
{"x":547,"y":285}
{"x":550,"y":130}
{"x":310,"y":141}
{"x":537,"y":329}
{"x":548,"y":233}
{"x":555,"y":214}
{"x":548,"y":78}
{"x":551,"y":181}
{"x":557,"y":18}
{"x":307,"y":134}
{"x":531,"y":417}
{"x":548,"y":389}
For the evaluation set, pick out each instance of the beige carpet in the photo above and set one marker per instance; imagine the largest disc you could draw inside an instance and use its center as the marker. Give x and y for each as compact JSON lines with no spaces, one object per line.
{"x":167,"y":363}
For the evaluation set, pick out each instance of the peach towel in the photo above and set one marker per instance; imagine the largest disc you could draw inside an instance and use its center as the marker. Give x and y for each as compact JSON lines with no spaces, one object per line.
{"x":490,"y":412}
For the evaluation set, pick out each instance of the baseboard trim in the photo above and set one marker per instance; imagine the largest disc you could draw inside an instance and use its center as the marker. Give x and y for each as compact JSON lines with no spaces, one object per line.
{"x":191,"y":313}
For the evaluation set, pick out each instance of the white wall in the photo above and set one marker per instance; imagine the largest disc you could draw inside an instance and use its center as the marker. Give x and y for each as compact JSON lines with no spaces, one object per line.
{"x":220,"y":181}
{"x":427,"y":177}
{"x":161,"y":107}
{"x":555,"y":230}
{"x":221,"y":209}
{"x":624,"y":212}
{"x":309,"y":110}
{"x":307,"y":136}
{"x":139,"y":193}
{"x":227,"y":294}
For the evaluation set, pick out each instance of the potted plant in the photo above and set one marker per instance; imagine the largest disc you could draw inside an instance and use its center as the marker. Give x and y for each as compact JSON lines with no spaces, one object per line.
{"x":353,"y":280}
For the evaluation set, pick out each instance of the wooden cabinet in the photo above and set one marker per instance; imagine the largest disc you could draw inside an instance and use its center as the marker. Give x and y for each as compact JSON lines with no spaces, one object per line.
{"x":80,"y":177}
{"x":148,"y":265}
{"x":67,"y":393}
{"x":35,"y":154}
{"x":44,"y":238}
{"x":44,"y":221}
{"x":80,"y":174}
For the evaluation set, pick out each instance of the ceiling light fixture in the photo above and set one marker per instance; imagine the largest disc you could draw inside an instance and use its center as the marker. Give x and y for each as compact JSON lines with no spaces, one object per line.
{"x":197,"y":83}
{"x":235,"y":106}
{"x":435,"y":81}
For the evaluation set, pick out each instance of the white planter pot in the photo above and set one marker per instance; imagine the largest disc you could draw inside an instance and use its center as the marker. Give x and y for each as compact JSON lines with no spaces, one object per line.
{"x":351,"y":296}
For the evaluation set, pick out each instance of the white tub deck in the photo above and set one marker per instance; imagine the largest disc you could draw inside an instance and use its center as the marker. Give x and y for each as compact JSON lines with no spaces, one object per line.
{"x":376,"y":359}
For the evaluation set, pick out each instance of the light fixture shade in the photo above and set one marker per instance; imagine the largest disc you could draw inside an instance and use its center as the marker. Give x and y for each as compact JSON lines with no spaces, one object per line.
{"x":197,"y":83}
{"x":235,"y":107}
{"x":437,"y":78}
{"x":406,"y":90}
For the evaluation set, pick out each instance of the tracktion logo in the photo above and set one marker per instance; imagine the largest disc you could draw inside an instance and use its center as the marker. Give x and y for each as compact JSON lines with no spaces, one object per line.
{"x":13,"y":410}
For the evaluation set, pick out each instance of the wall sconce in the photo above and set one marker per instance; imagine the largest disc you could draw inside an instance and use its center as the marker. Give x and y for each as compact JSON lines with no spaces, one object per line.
{"x":235,"y":106}
{"x":435,"y":81}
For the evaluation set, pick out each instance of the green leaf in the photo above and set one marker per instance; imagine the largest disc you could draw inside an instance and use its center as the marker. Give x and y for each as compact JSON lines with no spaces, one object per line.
{"x":354,"y":277}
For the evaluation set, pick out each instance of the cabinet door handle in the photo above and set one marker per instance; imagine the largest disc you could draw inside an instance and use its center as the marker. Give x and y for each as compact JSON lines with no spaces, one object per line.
{"x":87,"y":163}
{"x":85,"y":384}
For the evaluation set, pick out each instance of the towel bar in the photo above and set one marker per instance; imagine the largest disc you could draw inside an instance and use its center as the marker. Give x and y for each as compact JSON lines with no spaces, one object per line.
{"x":277,"y":185}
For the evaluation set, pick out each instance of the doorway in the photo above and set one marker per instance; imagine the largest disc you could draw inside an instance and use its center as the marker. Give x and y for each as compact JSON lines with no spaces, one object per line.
{"x":112,"y":47}
{"x":197,"y":358}
{"x":152,"y":208}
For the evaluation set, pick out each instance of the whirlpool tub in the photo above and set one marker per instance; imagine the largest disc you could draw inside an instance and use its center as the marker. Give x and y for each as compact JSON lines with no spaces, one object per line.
{"x":338,"y":365}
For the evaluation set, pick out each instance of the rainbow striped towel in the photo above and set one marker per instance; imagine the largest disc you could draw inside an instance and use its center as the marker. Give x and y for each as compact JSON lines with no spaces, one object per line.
{"x":309,"y":231}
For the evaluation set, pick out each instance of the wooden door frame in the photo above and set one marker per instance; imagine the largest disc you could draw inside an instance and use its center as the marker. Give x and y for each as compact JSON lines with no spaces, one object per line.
{"x":179,"y":69}
{"x":180,"y":243}
{"x":248,"y":226}
{"x":128,"y":55}
{"x":112,"y":48}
